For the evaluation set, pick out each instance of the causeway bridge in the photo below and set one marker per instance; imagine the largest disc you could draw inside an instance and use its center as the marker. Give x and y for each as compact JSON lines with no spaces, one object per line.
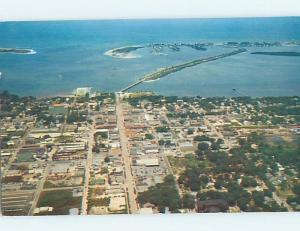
{"x":162,"y":72}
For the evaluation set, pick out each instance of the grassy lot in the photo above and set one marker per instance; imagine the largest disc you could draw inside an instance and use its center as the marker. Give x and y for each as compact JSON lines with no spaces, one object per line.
{"x":60,"y":200}
{"x":98,"y":202}
{"x":98,"y":181}
{"x":48,"y":184}
{"x":67,"y":182}
{"x":25,"y":157}
{"x":179,"y":164}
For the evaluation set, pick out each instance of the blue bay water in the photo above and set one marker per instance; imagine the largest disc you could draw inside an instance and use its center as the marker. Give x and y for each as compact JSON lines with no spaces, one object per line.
{"x":70,"y":54}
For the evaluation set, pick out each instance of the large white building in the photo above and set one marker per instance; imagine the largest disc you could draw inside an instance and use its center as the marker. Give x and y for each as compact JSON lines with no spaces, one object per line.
{"x":82,"y":91}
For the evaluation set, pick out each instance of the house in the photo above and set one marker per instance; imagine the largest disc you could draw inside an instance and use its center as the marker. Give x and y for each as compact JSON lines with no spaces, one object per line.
{"x":186,"y":147}
{"x":148,"y":162}
{"x":117,"y":203}
{"x":146,"y":211}
{"x":43,"y":209}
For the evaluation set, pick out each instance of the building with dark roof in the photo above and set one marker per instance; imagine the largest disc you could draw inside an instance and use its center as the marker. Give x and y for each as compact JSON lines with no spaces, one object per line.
{"x":212,"y":206}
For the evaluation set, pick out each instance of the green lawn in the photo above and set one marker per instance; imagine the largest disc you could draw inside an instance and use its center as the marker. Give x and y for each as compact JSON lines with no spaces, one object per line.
{"x":60,"y":200}
{"x":25,"y":157}
{"x":180,"y":164}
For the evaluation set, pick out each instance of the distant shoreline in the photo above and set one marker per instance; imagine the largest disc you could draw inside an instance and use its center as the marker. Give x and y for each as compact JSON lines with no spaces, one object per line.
{"x":24,"y":20}
{"x":282,"y":53}
{"x":128,"y":52}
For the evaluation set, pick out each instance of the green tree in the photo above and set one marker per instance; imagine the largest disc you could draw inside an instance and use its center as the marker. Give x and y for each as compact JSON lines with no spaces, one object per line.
{"x":149,"y":136}
{"x":258,"y":198}
{"x":203,"y":146}
{"x":190,"y":131}
{"x":106,"y":159}
{"x":219,"y":183}
{"x":162,"y":195}
{"x":215,"y":146}
{"x":296,"y":189}
{"x":161,"y":142}
{"x":188,"y":201}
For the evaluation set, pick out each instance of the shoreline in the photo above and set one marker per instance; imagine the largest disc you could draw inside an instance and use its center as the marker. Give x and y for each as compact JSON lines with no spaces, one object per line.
{"x":128,"y":52}
{"x":277,"y":53}
{"x":151,"y":80}
{"x":70,"y":94}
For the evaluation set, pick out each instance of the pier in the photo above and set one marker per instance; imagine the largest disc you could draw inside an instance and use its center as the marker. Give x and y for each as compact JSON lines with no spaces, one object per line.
{"x":162,"y":72}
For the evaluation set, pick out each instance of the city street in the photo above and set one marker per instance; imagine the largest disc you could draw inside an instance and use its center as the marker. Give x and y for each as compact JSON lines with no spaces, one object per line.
{"x":129,"y":181}
{"x":89,"y":162}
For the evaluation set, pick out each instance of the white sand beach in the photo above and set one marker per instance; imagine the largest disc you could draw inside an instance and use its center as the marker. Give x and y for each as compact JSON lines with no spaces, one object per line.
{"x":118,"y":53}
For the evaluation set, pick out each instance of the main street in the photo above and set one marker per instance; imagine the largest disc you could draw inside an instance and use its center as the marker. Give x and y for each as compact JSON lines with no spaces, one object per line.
{"x":162,"y":152}
{"x":89,"y":162}
{"x":129,"y":181}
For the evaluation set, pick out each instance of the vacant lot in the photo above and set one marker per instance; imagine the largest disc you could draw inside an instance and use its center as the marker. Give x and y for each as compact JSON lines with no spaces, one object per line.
{"x":60,"y":200}
{"x":25,"y":157}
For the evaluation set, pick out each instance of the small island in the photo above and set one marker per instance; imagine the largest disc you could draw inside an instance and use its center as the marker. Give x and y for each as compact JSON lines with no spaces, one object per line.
{"x":17,"y":50}
{"x":130,"y":52}
{"x":283,"y":53}
{"x":124,"y":52}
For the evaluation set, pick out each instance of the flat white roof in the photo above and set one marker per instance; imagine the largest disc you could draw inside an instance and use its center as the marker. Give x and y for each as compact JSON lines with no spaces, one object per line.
{"x":146,"y":211}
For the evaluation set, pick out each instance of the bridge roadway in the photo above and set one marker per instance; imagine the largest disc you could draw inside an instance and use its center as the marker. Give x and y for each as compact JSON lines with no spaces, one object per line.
{"x":168,"y":70}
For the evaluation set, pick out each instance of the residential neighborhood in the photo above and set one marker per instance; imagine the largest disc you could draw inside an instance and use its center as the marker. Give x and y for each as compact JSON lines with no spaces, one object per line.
{"x":95,"y":153}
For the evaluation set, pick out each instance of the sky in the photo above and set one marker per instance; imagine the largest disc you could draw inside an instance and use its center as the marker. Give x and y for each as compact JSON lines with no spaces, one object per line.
{"x":11,"y":10}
